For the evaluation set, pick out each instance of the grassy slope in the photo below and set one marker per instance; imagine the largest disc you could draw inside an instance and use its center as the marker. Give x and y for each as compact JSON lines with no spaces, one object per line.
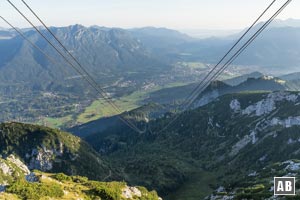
{"x":100,"y":108}
{"x":55,"y":122}
{"x":62,"y":187}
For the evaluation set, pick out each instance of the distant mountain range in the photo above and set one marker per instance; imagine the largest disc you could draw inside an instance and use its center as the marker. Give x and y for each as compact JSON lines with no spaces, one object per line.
{"x":103,"y":52}
{"x":207,"y":33}
{"x":110,"y":53}
{"x":250,"y":82}
{"x":276,"y":47}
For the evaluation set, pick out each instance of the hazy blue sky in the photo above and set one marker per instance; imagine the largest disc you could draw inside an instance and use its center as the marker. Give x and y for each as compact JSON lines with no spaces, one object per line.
{"x":177,"y":14}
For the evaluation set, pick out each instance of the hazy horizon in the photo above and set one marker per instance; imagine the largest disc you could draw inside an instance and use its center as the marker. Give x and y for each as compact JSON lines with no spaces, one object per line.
{"x":196,"y":33}
{"x":176,"y":14}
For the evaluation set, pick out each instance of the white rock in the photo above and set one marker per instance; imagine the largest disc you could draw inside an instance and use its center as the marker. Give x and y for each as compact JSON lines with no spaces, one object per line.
{"x":220,"y":189}
{"x":287,"y":123}
{"x":240,"y":145}
{"x":260,"y":108}
{"x":253,"y":174}
{"x":235,"y":105}
{"x":263,"y":158}
{"x":291,"y":141}
{"x":268,"y":104}
{"x":253,"y":136}
{"x":130,"y":192}
{"x":210,"y":122}
{"x":292,"y":166}
{"x":136,"y":192}
{"x":218,"y":197}
{"x":42,"y":159}
{"x":5,"y":168}
{"x":19,"y":164}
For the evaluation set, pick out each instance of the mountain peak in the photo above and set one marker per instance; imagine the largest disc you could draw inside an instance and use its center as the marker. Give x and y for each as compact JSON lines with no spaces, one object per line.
{"x":76,"y":27}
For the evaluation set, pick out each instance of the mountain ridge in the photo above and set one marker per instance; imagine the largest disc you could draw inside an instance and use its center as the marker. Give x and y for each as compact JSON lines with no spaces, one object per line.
{"x":167,"y":101}
{"x":18,"y":182}
{"x":226,"y":137}
{"x":50,"y":150}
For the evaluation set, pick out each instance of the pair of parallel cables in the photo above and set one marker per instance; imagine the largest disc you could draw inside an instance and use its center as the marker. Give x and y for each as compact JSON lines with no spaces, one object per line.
{"x":215,"y":72}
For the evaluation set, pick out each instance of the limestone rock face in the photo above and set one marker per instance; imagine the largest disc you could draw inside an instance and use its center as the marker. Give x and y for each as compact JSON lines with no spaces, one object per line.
{"x":235,"y":105}
{"x":5,"y":168}
{"x":268,"y":104}
{"x":43,"y":158}
{"x":19,"y":164}
{"x":11,"y":169}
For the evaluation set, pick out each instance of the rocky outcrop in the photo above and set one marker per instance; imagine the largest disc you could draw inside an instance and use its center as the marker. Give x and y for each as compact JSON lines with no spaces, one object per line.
{"x":240,"y":145}
{"x":6,"y":170}
{"x":235,"y":105}
{"x":262,"y":107}
{"x":268,"y":104}
{"x":292,"y":166}
{"x":131,"y":192}
{"x":19,"y":164}
{"x":219,"y":197}
{"x":11,"y":169}
{"x":43,"y":158}
{"x":287,"y":123}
